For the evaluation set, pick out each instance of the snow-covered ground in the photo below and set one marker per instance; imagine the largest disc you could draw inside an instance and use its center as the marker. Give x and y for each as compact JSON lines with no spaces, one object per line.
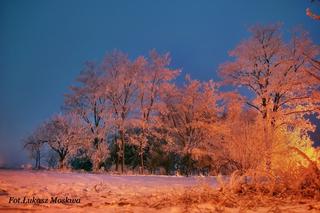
{"x":22,"y":191}
{"x":98,"y":192}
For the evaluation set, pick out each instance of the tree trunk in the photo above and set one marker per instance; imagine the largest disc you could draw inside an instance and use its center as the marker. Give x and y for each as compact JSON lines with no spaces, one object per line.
{"x":62,"y":156}
{"x":141,"y":163}
{"x":141,"y":158}
{"x":268,"y":147}
{"x":61,"y":164}
{"x":117,"y":161}
{"x":38,"y":159}
{"x":61,"y":161}
{"x":122,"y":157}
{"x":122,"y":151}
{"x":268,"y":137}
{"x":117,"y":153}
{"x":36,"y":163}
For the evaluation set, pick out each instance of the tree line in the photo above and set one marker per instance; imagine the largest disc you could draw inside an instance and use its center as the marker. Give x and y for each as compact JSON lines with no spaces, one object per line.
{"x":130,"y":114}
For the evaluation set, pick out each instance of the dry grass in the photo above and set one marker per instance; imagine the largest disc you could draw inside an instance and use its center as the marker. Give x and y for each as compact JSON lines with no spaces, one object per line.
{"x":251,"y":190}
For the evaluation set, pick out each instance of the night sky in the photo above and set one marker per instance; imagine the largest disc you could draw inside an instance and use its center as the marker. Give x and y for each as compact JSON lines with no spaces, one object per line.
{"x":44,"y":44}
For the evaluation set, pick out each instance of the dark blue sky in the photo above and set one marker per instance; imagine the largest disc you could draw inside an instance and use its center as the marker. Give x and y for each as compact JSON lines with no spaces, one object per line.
{"x":43,"y":45}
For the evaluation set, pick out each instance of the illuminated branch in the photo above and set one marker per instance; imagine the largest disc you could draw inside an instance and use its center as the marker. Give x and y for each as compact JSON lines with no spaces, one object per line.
{"x":312,"y":15}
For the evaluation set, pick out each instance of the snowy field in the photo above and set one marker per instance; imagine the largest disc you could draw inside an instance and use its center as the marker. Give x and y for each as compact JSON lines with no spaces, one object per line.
{"x":51,"y":191}
{"x":97,"y":192}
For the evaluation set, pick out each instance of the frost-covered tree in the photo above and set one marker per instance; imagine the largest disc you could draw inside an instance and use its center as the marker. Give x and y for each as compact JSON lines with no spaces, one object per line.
{"x":153,"y":79}
{"x":242,"y":144}
{"x":190,"y":117}
{"x":275,"y":71}
{"x":34,"y":144}
{"x":63,"y":136}
{"x":119,"y":87}
{"x":294,"y":149}
{"x":86,"y":101}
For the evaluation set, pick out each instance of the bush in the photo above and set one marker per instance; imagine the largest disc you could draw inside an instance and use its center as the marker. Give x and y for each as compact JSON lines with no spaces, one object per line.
{"x":81,"y":163}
